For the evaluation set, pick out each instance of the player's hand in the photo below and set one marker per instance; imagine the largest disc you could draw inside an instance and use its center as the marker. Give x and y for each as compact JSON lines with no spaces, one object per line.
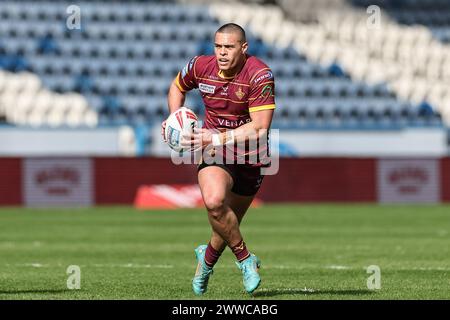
{"x":199,"y":139}
{"x":163,"y":130}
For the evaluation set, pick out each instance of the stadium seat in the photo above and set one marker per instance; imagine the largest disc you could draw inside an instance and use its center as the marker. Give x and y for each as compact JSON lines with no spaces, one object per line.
{"x":328,"y":68}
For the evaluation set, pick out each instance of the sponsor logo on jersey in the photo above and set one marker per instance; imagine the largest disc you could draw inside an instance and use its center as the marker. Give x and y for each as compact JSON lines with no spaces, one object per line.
{"x":184,"y":71}
{"x":232,"y":123}
{"x":240,"y":94}
{"x":224,"y":91}
{"x":266,"y":91}
{"x":191,"y":63}
{"x":266,"y":75}
{"x":188,"y":67}
{"x":206,"y":88}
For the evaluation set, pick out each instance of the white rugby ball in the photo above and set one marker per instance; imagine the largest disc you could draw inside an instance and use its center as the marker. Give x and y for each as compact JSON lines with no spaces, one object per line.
{"x":183,"y":121}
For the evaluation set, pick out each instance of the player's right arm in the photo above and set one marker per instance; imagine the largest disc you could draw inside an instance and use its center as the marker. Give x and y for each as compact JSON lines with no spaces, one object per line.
{"x":175,"y":98}
{"x":183,"y":82}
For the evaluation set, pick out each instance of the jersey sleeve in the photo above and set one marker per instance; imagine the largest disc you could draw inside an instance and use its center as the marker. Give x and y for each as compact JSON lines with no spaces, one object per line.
{"x":186,"y":79}
{"x":262,"y":91}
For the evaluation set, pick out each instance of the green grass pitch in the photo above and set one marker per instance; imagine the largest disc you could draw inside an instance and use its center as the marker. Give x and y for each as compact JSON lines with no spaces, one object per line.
{"x":307,"y":252}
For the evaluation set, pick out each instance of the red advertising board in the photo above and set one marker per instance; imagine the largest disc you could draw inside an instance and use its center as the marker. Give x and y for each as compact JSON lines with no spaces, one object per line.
{"x":445,"y":180}
{"x":10,"y":181}
{"x":49,"y":182}
{"x":117,"y":180}
{"x":409,"y":181}
{"x":321,"y":180}
{"x":309,"y":179}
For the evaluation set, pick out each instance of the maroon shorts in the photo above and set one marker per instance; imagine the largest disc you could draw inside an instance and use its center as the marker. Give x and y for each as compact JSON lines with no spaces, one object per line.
{"x":246,"y":179}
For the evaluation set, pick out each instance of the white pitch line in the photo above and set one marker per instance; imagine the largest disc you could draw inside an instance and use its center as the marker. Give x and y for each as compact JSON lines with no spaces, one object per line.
{"x":429,"y":269}
{"x":133,"y":265}
{"x":280,"y":267}
{"x":286,"y":290}
{"x":337,"y":267}
{"x":33,"y":264}
{"x":127,"y":265}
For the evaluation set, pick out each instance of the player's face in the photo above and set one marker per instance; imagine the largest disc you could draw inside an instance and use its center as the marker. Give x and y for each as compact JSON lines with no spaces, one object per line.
{"x":230,"y":52}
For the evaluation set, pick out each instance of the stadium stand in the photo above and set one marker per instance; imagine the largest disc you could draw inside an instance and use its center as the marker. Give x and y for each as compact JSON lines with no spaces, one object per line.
{"x":413,"y":60}
{"x":331,"y":72}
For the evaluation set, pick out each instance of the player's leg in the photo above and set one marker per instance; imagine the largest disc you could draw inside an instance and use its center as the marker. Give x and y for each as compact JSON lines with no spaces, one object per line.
{"x":250,"y":180}
{"x":247,"y":182}
{"x":239,"y":204}
{"x":215,"y":183}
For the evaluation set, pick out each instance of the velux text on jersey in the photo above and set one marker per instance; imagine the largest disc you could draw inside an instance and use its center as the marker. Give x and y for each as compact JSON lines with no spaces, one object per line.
{"x":232,"y":123}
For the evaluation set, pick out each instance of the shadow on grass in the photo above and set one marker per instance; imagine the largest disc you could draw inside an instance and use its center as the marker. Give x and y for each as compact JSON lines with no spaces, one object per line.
{"x":37,"y":291}
{"x":278,"y":292}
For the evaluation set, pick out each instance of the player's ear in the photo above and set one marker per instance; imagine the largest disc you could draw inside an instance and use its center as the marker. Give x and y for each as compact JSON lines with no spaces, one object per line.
{"x":244,"y":47}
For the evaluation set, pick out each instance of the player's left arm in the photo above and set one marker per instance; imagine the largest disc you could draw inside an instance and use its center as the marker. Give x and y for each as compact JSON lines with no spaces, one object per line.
{"x":261,"y":108}
{"x":255,"y":129}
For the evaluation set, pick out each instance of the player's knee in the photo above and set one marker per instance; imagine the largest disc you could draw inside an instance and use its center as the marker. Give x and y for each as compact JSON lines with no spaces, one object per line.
{"x":215,"y":205}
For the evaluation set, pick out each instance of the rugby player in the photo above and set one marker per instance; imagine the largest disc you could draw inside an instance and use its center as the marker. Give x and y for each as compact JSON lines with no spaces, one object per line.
{"x":238,"y":94}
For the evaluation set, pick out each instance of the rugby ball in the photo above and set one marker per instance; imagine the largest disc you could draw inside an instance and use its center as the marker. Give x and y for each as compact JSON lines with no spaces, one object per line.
{"x":181,"y":122}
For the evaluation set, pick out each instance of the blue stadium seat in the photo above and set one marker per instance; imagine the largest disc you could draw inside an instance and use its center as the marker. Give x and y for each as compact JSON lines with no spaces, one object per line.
{"x":132,"y":51}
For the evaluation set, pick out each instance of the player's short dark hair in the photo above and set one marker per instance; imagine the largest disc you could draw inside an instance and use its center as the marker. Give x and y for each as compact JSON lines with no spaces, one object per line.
{"x":233,"y":27}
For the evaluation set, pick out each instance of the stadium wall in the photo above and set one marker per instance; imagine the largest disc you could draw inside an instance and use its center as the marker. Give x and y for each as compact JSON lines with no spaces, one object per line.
{"x":105,"y":180}
{"x":321,"y":179}
{"x":117,"y":179}
{"x":10,"y":181}
{"x":445,"y":179}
